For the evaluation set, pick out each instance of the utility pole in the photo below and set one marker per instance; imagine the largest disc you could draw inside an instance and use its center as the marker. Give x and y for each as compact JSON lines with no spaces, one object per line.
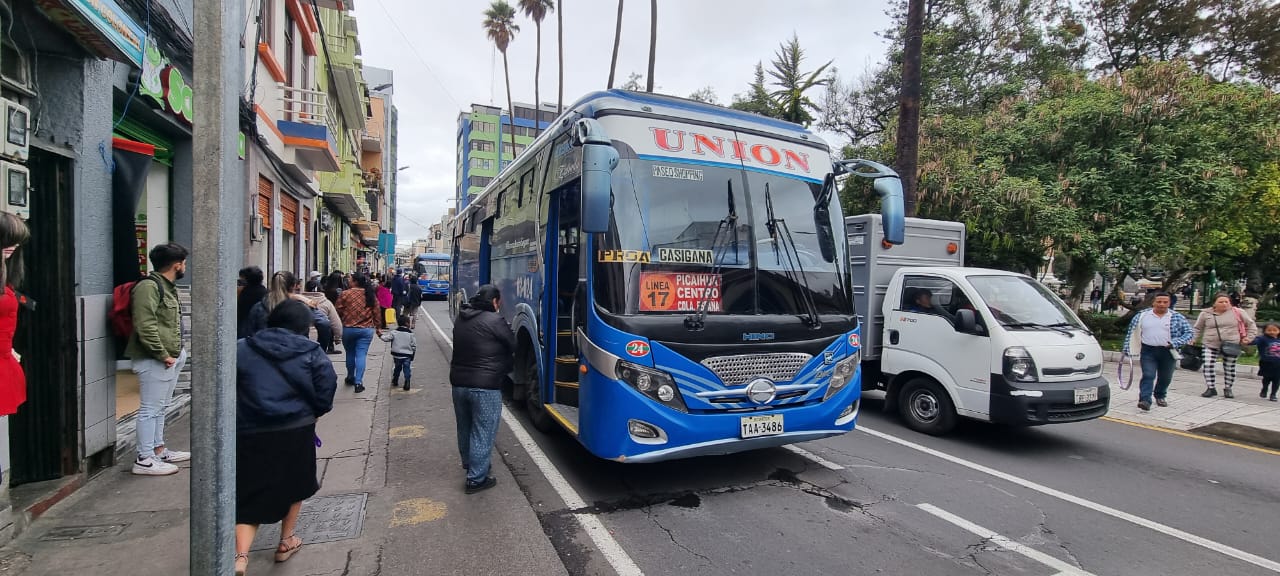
{"x":908,"y":146}
{"x":215,"y":255}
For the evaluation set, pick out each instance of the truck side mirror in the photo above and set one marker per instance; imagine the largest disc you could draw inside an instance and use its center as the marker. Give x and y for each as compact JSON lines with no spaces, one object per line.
{"x":599,"y":158}
{"x":966,"y":321}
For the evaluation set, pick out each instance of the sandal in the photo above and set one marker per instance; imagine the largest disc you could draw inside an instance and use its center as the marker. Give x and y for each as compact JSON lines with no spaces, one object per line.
{"x":284,"y":551}
{"x":242,"y":564}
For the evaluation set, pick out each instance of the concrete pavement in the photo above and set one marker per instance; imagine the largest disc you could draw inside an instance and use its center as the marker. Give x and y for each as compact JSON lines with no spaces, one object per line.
{"x":391,"y":501}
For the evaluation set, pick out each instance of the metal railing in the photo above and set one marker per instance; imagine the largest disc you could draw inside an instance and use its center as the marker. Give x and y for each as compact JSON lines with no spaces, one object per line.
{"x":305,"y":106}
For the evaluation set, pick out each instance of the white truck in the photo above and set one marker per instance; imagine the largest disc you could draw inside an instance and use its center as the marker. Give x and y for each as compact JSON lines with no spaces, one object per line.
{"x":943,"y":340}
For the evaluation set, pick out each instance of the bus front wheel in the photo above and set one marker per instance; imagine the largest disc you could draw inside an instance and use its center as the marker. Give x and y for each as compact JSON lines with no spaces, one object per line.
{"x":533,"y":395}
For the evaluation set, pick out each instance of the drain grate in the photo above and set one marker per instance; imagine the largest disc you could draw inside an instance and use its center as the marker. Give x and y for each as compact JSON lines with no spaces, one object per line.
{"x":323,"y":519}
{"x":83,"y":532}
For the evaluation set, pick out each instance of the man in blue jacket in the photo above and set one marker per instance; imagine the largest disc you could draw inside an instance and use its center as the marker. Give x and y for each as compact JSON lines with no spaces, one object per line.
{"x":1154,"y":335}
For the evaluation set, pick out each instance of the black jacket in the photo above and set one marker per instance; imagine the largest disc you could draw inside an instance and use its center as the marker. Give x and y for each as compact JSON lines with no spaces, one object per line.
{"x":283,"y":381}
{"x":250,"y":296}
{"x":483,"y":349}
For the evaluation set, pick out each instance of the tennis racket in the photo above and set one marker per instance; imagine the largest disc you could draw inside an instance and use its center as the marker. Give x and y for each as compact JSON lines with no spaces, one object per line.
{"x":1124,"y":372}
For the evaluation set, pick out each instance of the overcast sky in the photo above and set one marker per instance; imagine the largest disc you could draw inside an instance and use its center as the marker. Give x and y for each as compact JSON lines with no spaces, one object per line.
{"x":443,"y":63}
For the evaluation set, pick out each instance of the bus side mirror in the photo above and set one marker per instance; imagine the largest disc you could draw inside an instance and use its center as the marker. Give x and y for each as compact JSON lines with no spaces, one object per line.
{"x":892,"y":209}
{"x":599,"y":158}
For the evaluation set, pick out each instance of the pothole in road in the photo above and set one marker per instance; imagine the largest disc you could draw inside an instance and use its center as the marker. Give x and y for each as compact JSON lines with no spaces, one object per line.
{"x":687,"y":501}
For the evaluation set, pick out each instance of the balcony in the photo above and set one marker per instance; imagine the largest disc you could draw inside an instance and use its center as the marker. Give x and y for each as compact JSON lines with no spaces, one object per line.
{"x":339,"y":5}
{"x":370,"y":142}
{"x":343,"y":192}
{"x":306,"y":127}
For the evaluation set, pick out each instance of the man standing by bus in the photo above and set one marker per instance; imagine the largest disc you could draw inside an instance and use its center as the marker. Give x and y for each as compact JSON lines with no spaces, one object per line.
{"x":484,"y":352}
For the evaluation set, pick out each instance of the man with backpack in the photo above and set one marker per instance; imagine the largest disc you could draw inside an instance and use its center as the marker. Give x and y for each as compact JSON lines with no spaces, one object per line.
{"x":155,"y":346}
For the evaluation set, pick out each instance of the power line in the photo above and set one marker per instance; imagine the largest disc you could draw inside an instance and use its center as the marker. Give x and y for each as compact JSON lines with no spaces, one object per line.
{"x":414,"y":49}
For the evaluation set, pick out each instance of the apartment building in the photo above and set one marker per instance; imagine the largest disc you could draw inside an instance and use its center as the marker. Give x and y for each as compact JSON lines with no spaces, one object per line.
{"x":483,"y":131}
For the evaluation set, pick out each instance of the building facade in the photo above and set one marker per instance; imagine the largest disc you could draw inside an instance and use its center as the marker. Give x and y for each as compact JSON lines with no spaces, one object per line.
{"x":482,"y":132}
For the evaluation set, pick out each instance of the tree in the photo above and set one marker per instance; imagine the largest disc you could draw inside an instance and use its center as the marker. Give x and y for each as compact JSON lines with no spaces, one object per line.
{"x":653,"y":43}
{"x":792,"y":83}
{"x":500,"y":27}
{"x":635,"y":82}
{"x":536,"y":10}
{"x":909,"y":105}
{"x":617,"y":39}
{"x":560,"y":42}
{"x":757,"y":98}
{"x":705,"y":94}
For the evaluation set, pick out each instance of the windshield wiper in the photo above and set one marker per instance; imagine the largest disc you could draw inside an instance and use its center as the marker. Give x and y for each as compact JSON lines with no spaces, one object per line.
{"x":1059,"y":327}
{"x":697,"y":320}
{"x":773,"y":223}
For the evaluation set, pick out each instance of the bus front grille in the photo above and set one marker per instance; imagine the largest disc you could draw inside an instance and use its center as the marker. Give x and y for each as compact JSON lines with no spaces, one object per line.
{"x":739,"y":369}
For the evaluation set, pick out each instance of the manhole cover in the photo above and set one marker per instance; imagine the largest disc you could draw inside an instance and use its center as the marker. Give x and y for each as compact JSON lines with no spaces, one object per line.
{"x":323,"y":519}
{"x":83,"y":532}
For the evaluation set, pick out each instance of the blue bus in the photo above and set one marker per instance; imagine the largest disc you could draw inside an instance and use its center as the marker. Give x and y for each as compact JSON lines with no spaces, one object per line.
{"x":677,"y":277}
{"x":433,"y":272}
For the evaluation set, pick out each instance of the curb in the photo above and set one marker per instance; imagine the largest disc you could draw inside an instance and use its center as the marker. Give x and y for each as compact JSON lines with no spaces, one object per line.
{"x":1241,"y":433}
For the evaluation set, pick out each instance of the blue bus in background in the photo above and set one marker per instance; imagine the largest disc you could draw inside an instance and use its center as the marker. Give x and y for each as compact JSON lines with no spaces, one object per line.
{"x":433,"y":272}
{"x":677,"y":277}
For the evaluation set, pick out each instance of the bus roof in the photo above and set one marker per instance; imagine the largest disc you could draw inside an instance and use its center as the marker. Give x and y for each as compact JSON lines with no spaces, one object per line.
{"x":433,"y":256}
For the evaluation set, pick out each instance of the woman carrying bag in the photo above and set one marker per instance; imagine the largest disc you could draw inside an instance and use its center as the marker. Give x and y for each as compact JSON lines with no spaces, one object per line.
{"x":1225,"y":330}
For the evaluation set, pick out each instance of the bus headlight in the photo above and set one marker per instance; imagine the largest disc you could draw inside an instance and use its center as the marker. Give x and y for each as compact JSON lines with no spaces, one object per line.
{"x":1019,"y":366}
{"x":842,"y":374}
{"x":655,"y":384}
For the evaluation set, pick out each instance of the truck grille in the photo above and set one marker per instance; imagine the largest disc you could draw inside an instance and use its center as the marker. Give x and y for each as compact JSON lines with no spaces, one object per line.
{"x":779,"y":367}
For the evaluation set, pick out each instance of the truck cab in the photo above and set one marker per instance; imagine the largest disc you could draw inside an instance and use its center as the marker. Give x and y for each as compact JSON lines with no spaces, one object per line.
{"x":946,"y":341}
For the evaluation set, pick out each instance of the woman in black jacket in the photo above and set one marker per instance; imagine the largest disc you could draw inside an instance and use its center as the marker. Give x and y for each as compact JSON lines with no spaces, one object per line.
{"x":252,"y":291}
{"x":484,"y":348}
{"x":284,"y":382}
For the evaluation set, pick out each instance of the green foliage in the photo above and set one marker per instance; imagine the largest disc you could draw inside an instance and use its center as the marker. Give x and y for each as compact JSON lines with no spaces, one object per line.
{"x":789,"y":101}
{"x":500,"y":24}
{"x":1104,"y":326}
{"x":757,"y":98}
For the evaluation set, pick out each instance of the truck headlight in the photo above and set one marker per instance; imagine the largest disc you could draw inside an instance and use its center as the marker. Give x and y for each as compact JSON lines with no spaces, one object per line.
{"x":842,"y":374}
{"x":1019,"y":366}
{"x":655,"y":384}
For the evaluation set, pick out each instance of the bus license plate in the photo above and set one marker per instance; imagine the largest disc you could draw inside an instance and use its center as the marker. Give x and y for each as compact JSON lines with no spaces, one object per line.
{"x":1087,"y":395}
{"x":753,"y":426}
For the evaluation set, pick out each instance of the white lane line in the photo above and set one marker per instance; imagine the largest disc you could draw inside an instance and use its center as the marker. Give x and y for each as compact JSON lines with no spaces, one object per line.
{"x":604,"y":541}
{"x":1236,"y":553}
{"x":829,"y":465}
{"x":1063,"y":568}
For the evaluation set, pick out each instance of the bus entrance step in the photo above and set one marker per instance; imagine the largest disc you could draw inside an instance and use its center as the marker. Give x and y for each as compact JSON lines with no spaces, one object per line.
{"x":568,"y":412}
{"x":565,"y":384}
{"x":566,"y":359}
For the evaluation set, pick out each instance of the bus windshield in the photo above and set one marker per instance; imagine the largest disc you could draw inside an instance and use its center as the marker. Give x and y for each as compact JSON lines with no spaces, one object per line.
{"x":433,"y":270}
{"x":709,"y":241}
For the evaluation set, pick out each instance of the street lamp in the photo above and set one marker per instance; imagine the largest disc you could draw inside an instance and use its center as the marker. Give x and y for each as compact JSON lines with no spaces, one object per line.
{"x":380,"y":87}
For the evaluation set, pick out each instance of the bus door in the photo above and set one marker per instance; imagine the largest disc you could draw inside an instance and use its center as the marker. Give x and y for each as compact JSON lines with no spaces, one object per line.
{"x":568,"y":289}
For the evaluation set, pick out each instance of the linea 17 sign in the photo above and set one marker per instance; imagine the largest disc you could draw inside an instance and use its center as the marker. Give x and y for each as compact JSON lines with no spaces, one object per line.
{"x":680,"y":292}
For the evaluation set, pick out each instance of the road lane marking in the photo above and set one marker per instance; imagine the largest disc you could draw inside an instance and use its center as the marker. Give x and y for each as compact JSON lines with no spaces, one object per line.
{"x":1109,"y":511}
{"x":600,"y":536}
{"x":823,"y":462}
{"x":1185,"y":434}
{"x":1063,"y":568}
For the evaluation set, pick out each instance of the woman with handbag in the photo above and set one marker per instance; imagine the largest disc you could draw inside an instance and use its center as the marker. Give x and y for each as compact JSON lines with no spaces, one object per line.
{"x":1225,"y":330}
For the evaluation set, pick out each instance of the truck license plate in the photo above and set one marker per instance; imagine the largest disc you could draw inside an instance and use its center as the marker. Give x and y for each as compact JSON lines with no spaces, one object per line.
{"x":753,"y":426}
{"x":1087,"y":395}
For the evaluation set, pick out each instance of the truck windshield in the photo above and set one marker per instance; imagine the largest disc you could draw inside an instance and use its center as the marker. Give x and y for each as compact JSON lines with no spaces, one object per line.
{"x":1019,"y":301}
{"x":702,"y":230}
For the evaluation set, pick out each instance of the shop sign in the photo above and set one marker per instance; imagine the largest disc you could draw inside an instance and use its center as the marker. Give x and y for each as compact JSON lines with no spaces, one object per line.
{"x":164,"y":83}
{"x":100,"y":26}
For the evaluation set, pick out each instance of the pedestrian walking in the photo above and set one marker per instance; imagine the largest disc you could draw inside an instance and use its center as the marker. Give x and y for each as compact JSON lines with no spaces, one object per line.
{"x":404,"y":346}
{"x":321,"y":303}
{"x":1268,"y":344}
{"x":313,"y":281}
{"x":484,"y":354}
{"x":413,"y":301}
{"x":399,"y":291}
{"x":156,"y":349}
{"x":13,"y":381}
{"x":1095,"y":300}
{"x":1224,"y":329}
{"x":252,"y":291}
{"x":282,"y":289}
{"x":334,"y":284}
{"x":284,"y":383}
{"x":1153,"y":336}
{"x":359,"y":310}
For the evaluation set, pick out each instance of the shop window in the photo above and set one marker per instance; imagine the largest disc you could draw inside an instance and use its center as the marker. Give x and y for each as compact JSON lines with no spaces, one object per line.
{"x":289,"y":213}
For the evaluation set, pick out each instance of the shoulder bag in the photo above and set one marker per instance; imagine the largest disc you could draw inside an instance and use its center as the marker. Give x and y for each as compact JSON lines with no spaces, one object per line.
{"x":1228,"y":349}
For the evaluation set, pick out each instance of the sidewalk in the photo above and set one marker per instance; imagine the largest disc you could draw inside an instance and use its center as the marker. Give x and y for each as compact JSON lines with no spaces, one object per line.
{"x":1246,"y":418}
{"x":373,"y":513}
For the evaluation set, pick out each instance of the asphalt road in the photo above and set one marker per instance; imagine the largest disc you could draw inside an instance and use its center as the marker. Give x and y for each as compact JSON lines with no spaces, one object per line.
{"x":1089,"y":498}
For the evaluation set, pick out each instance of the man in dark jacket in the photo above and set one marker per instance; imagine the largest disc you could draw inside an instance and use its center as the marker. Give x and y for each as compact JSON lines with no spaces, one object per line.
{"x":399,"y":290}
{"x":484,"y":348}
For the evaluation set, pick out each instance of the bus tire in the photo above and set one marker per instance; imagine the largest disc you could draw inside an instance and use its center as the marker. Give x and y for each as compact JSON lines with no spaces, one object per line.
{"x":533,"y":395}
{"x":925,"y":407}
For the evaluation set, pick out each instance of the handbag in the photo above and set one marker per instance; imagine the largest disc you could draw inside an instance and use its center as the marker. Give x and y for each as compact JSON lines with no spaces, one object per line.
{"x":1192,"y":357}
{"x":1228,"y":349}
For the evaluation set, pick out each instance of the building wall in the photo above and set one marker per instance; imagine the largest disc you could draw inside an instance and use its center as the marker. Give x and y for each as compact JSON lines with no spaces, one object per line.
{"x":491,"y":127}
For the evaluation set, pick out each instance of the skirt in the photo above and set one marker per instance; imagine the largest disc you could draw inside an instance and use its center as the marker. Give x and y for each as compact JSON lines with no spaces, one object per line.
{"x":274,"y":470}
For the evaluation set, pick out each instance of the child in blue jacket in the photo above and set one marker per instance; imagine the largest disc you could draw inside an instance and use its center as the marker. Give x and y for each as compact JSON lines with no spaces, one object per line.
{"x":1268,"y":344}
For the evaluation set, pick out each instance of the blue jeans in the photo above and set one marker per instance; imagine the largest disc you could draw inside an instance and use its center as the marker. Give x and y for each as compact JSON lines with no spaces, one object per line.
{"x":477,"y":412}
{"x":356,"y":341}
{"x":1157,"y":362}
{"x":402,"y":365}
{"x":155,"y":392}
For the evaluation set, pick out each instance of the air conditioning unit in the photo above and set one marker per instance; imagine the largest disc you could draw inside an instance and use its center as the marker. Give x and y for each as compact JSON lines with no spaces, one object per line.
{"x":257,"y":232}
{"x":17,"y":123}
{"x":17,"y":188}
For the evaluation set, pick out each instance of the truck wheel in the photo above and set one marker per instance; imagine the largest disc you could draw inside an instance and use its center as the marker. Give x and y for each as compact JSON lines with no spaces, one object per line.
{"x":533,"y":396}
{"x":925,"y":407}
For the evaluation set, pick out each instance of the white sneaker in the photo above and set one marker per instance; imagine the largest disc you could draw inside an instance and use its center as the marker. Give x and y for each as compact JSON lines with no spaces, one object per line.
{"x":153,"y":467}
{"x":174,"y":456}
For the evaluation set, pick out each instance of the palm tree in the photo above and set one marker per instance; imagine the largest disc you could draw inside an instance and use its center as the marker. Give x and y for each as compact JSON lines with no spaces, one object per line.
{"x":560,"y":41}
{"x":500,"y":26}
{"x":653,"y":42}
{"x":536,"y":10}
{"x":908,"y":144}
{"x":792,"y":105}
{"x":617,"y":37}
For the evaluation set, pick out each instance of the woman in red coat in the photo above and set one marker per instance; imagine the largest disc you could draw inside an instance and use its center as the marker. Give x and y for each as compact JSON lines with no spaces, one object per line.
{"x":13,"y":383}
